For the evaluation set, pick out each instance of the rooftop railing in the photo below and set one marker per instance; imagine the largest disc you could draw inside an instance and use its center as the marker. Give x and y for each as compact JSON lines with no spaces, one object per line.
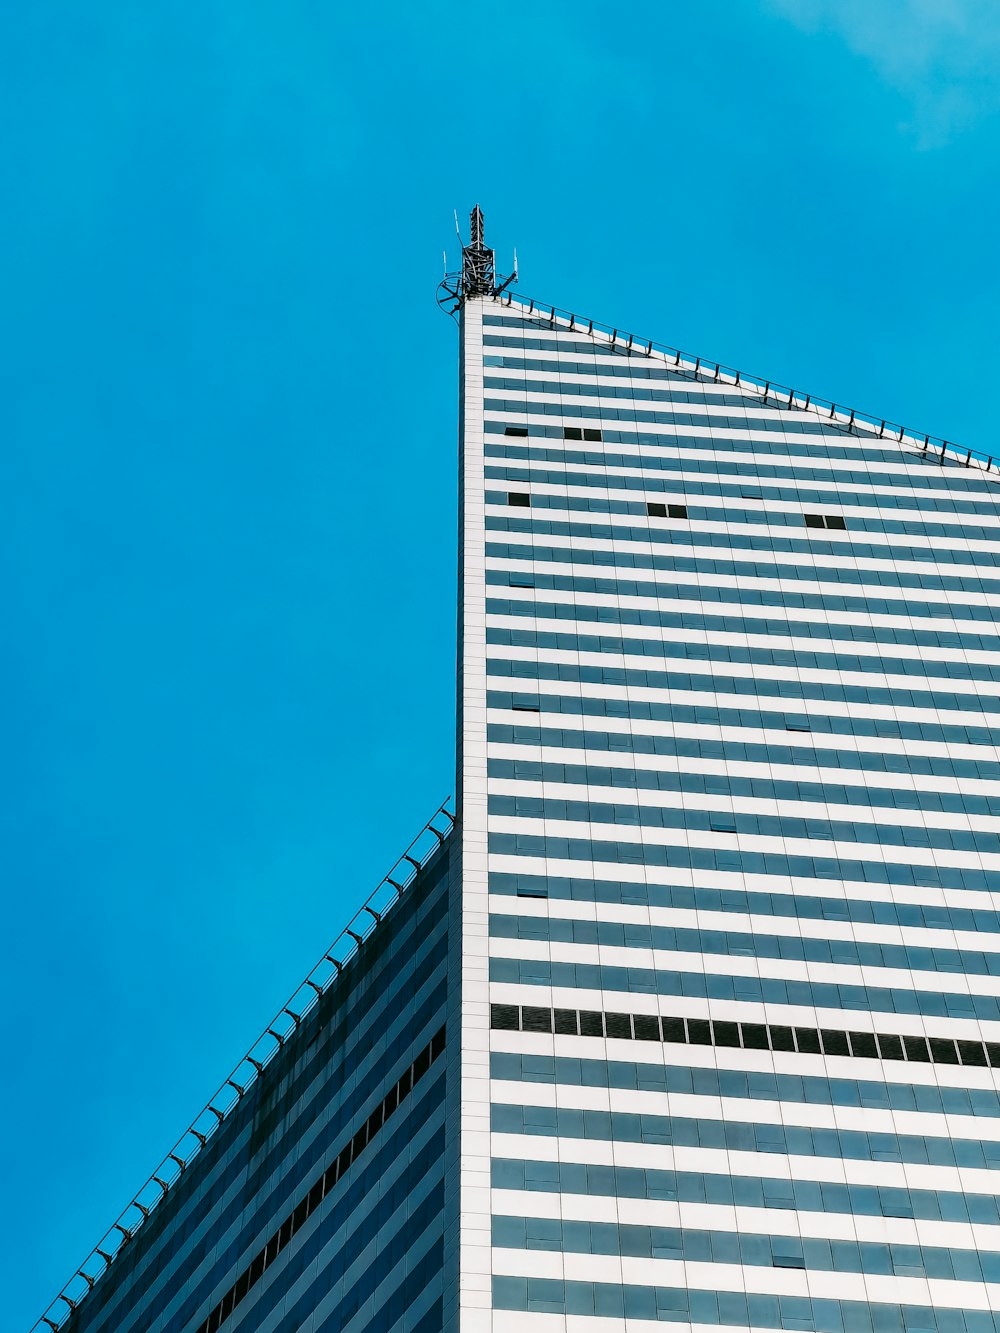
{"x":771,"y":394}
{"x":252,"y":1067}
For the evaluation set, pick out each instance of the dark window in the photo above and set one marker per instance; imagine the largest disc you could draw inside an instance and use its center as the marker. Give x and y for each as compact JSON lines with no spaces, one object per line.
{"x":807,"y":1040}
{"x":863,"y":1043}
{"x":655,"y":510}
{"x":516,"y":430}
{"x":673,"y":1029}
{"x":754,"y":1036}
{"x":504,"y":1017}
{"x":519,"y":498}
{"x":699,"y":1031}
{"x":619,"y":1025}
{"x":591,"y":1023}
{"x":993,"y":1051}
{"x":589,"y":433}
{"x":572,"y":433}
{"x":890,"y":1047}
{"x":782,"y":1039}
{"x":835,"y":1043}
{"x":726,"y":1034}
{"x":916,"y":1049}
{"x":836,"y":521}
{"x":677,"y":511}
{"x":943,"y":1051}
{"x":566,"y":1025}
{"x":825,"y":521}
{"x":972,"y":1052}
{"x":536,"y":1020}
{"x":647,"y":1027}
{"x":814,"y":520}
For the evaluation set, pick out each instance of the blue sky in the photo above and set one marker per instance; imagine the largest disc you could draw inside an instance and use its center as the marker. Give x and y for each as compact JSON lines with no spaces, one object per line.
{"x":227,"y":477}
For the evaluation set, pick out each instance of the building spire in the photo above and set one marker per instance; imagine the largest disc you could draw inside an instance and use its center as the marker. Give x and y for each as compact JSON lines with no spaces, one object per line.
{"x":478,"y":276}
{"x":478,"y":265}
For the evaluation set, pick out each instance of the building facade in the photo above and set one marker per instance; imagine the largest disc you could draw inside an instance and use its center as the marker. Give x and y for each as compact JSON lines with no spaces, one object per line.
{"x":317,"y":1201}
{"x":694,"y":1016}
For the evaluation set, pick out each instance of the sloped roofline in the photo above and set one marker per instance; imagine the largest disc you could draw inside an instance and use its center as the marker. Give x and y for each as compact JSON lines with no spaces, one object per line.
{"x":866,"y":425}
{"x":325,"y":973}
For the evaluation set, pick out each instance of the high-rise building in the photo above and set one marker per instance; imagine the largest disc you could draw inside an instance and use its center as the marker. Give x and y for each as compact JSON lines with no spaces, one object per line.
{"x":693,"y":1015}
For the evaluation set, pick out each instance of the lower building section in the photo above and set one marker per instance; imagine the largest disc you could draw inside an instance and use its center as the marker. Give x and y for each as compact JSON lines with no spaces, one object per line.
{"x":318,"y":1204}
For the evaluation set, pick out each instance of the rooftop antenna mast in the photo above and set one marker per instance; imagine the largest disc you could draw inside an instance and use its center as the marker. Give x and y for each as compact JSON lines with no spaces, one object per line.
{"x":478,"y":276}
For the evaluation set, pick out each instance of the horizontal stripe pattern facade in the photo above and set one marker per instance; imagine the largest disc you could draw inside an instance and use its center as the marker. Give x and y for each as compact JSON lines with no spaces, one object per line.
{"x":739,"y":770}
{"x":319,"y":1202}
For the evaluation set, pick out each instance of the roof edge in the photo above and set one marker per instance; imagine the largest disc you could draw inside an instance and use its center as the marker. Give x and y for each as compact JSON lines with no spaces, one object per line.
{"x":853,"y":420}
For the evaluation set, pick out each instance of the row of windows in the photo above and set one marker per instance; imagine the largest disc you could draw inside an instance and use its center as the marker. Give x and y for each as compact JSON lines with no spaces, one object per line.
{"x":742,"y":862}
{"x":743,"y":944}
{"x":745,"y":1036}
{"x":760,"y":423}
{"x":595,"y":387}
{"x":565,"y":339}
{"x":834,"y":492}
{"x":743,"y":825}
{"x":804,"y":1196}
{"x":834,"y":447}
{"x":743,"y":989}
{"x":932,"y":916}
{"x":757,"y":686}
{"x":756,"y":416}
{"x":703,"y":565}
{"x":754,"y":472}
{"x":744,"y":1085}
{"x":767,"y":542}
{"x":855,"y":1145}
{"x":724,"y":783}
{"x":734,"y":622}
{"x":690,"y":1245}
{"x":744,"y":596}
{"x":736,"y":1309}
{"x":338,"y":1168}
{"x":757,"y":430}
{"x":713,"y":651}
{"x":708,"y":490}
{"x":628,"y":742}
{"x":631,"y":368}
{"x":599,"y":504}
{"x":641,"y":710}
